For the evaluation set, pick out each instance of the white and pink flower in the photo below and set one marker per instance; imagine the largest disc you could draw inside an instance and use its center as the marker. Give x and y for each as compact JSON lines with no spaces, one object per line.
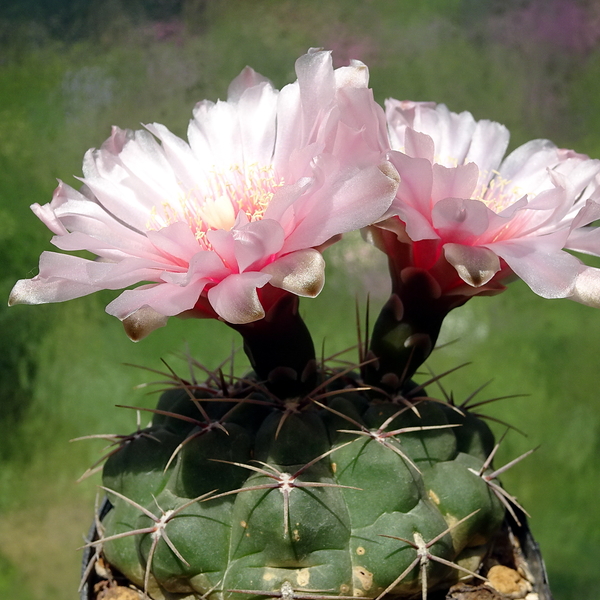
{"x":473,"y":219}
{"x":213,"y":227}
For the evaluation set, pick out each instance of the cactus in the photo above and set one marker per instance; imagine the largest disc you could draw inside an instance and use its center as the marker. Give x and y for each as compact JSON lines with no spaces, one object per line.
{"x":273,"y":487}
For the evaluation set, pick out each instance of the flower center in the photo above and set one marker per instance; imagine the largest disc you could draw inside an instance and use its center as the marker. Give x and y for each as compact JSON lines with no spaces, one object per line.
{"x":498,"y":193}
{"x":216,"y":202}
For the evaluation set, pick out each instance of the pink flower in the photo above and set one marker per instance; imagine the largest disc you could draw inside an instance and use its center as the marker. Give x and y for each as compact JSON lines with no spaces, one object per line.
{"x":223,"y":225}
{"x":474,"y":220}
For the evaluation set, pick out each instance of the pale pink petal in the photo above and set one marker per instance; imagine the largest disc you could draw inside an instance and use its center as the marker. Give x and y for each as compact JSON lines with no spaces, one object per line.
{"x":73,"y":268}
{"x":587,"y":287}
{"x":214,"y":134}
{"x":526,"y":168}
{"x":109,"y":194}
{"x":105,"y":161}
{"x":319,"y":108}
{"x":181,"y":158}
{"x":175,"y":241}
{"x":555,"y":200}
{"x":77,"y":213}
{"x":203,"y":265}
{"x":235,"y":299}
{"x":44,"y":291}
{"x":578,"y":175}
{"x":106,"y":249}
{"x":144,"y":159}
{"x":416,"y":225}
{"x":256,"y":242}
{"x":359,"y":199}
{"x":352,"y":142}
{"x":248,"y":78}
{"x":165,"y":298}
{"x":361,"y":114}
{"x":586,"y":240}
{"x":548,"y":274}
{"x":460,"y":221}
{"x":247,"y":119}
{"x":457,"y":182}
{"x":316,"y":81}
{"x":223,"y":244}
{"x":292,"y":153}
{"x":301,"y":272}
{"x":355,"y":75}
{"x":418,"y":145}
{"x":99,"y":274}
{"x":487,"y":148}
{"x":475,"y":266}
{"x":450,"y":132}
{"x":416,"y":182}
{"x":143,"y":322}
{"x":401,"y":114}
{"x":458,"y":139}
{"x":139,"y":181}
{"x":48,"y":217}
{"x":257,"y":109}
{"x":130,"y":271}
{"x":120,"y":201}
{"x":281,"y":206}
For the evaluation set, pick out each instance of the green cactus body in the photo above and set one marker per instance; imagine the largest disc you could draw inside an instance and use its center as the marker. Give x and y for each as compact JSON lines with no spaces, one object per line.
{"x":318,"y":499}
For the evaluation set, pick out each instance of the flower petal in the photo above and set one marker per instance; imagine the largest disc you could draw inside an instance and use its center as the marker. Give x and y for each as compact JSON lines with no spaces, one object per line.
{"x":360,"y":199}
{"x":143,"y":322}
{"x":255,"y":242}
{"x":165,"y":298}
{"x":301,"y":272}
{"x":587,"y":287}
{"x":235,"y":299}
{"x":418,"y":145}
{"x":550,"y":274}
{"x":175,"y":241}
{"x":247,"y":79}
{"x":457,"y":182}
{"x":475,"y":266}
{"x":487,"y":147}
{"x":48,"y":217}
{"x":460,"y":220}
{"x":416,"y":181}
{"x":40,"y":291}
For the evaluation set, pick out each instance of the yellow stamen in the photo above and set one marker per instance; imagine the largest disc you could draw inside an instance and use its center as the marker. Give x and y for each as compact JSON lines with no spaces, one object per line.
{"x":498,"y":194}
{"x":217,"y":201}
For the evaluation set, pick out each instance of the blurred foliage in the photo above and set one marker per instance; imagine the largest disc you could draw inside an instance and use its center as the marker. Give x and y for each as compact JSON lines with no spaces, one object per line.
{"x":69,"y":69}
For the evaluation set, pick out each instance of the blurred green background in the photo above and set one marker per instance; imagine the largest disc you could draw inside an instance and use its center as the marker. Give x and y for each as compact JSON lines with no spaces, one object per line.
{"x":69,"y":69}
